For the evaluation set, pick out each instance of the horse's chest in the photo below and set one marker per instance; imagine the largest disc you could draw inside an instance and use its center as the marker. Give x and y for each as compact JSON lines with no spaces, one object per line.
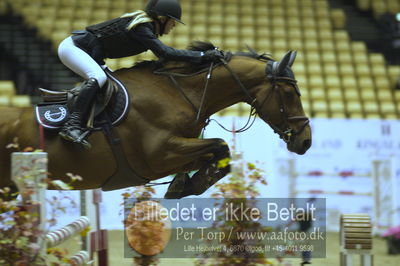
{"x":183,"y":122}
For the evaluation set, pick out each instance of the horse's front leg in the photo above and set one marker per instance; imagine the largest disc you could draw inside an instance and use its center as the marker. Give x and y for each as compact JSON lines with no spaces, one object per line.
{"x":205,"y":155}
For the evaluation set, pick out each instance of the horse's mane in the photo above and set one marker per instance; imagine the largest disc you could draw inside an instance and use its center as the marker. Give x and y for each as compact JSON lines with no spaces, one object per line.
{"x":203,"y":46}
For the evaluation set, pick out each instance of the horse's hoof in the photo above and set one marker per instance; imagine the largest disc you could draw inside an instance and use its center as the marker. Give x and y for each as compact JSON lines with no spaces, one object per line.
{"x":178,"y":186}
{"x":173,"y":195}
{"x":179,"y":194}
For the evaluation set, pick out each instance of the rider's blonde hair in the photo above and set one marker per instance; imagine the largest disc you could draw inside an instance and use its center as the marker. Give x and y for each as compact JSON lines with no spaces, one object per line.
{"x":138,"y":17}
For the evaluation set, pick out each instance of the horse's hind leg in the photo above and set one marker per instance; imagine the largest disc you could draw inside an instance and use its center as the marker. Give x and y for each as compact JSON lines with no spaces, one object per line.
{"x":208,"y":174}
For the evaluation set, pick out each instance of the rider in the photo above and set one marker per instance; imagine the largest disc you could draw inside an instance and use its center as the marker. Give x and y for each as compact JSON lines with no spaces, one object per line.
{"x":131,"y":34}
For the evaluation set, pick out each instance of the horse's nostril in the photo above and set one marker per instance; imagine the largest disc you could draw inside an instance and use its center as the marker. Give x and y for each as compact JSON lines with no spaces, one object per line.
{"x":307,"y":143}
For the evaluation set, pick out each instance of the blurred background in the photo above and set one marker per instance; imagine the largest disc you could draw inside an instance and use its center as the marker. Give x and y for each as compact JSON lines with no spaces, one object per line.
{"x":348,"y":70}
{"x":347,"y":66}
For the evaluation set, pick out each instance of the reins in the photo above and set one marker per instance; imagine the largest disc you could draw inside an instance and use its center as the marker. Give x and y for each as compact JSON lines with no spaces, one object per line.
{"x":289,"y":133}
{"x":172,"y":76}
{"x":204,"y":92}
{"x":286,"y":135}
{"x":252,"y":101}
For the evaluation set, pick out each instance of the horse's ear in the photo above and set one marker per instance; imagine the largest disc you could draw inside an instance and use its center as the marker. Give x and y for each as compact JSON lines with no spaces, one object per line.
{"x":292,"y":58}
{"x":284,"y":63}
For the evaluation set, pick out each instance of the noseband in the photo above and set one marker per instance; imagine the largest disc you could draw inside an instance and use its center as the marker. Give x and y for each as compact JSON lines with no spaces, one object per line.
{"x":287,"y":134}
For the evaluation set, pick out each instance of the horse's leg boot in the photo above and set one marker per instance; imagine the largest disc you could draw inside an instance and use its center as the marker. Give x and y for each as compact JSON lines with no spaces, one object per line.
{"x":211,"y":174}
{"x":183,"y":185}
{"x":206,"y":177}
{"x":73,"y":129}
{"x":203,"y":179}
{"x":176,"y":189}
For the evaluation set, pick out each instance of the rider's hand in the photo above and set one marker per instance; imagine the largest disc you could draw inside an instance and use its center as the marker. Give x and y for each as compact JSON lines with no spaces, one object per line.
{"x":212,"y":55}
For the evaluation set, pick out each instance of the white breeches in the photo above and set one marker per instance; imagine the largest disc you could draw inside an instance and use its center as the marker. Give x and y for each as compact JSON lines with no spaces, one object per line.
{"x":80,"y":62}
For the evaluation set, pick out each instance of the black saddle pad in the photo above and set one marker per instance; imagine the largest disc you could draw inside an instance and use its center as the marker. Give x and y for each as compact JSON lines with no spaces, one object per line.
{"x":53,"y":115}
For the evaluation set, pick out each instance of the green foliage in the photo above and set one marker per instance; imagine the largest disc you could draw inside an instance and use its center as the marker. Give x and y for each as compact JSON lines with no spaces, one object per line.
{"x":19,"y":232}
{"x":21,"y":239}
{"x":240,"y":189}
{"x":140,"y":193}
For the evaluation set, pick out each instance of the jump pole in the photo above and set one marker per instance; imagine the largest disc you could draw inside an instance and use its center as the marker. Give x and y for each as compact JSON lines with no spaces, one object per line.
{"x":97,"y":240}
{"x":61,"y":235}
{"x":382,"y":191}
{"x":29,"y":169}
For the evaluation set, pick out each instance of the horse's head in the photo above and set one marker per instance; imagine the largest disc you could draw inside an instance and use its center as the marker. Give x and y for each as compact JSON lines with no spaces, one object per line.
{"x":278,"y":104}
{"x":276,"y":98}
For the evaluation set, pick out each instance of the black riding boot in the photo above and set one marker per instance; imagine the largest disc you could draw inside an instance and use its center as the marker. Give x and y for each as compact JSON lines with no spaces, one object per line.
{"x":73,"y":130}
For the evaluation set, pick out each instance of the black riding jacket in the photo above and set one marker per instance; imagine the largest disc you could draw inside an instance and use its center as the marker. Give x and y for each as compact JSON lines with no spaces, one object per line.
{"x":111,"y":39}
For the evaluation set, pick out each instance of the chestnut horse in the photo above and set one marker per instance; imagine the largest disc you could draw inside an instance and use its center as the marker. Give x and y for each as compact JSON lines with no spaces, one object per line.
{"x":160,"y":134}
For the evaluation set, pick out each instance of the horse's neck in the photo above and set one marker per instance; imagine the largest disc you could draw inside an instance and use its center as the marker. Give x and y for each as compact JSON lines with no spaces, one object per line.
{"x":222,"y":91}
{"x":225,"y":91}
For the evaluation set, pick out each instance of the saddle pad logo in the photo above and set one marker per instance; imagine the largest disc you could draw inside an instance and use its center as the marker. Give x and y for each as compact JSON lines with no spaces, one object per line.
{"x":56,"y":116}
{"x":52,"y":115}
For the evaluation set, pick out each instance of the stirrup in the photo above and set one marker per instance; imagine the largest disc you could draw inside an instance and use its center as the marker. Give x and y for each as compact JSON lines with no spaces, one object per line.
{"x":80,"y":140}
{"x":82,"y":136}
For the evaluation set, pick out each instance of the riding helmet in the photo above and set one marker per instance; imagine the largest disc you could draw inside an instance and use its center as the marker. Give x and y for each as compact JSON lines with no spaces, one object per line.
{"x":168,"y":8}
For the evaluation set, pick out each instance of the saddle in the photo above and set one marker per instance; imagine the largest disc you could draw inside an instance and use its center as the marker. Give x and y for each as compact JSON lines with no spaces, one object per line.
{"x":112,"y":100}
{"x":110,"y":107}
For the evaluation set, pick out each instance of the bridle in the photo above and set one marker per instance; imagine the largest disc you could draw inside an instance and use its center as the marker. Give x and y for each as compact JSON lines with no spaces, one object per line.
{"x":287,"y":134}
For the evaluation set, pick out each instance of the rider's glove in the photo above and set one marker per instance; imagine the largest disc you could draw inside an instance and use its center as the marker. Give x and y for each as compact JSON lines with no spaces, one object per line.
{"x":212,"y":55}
